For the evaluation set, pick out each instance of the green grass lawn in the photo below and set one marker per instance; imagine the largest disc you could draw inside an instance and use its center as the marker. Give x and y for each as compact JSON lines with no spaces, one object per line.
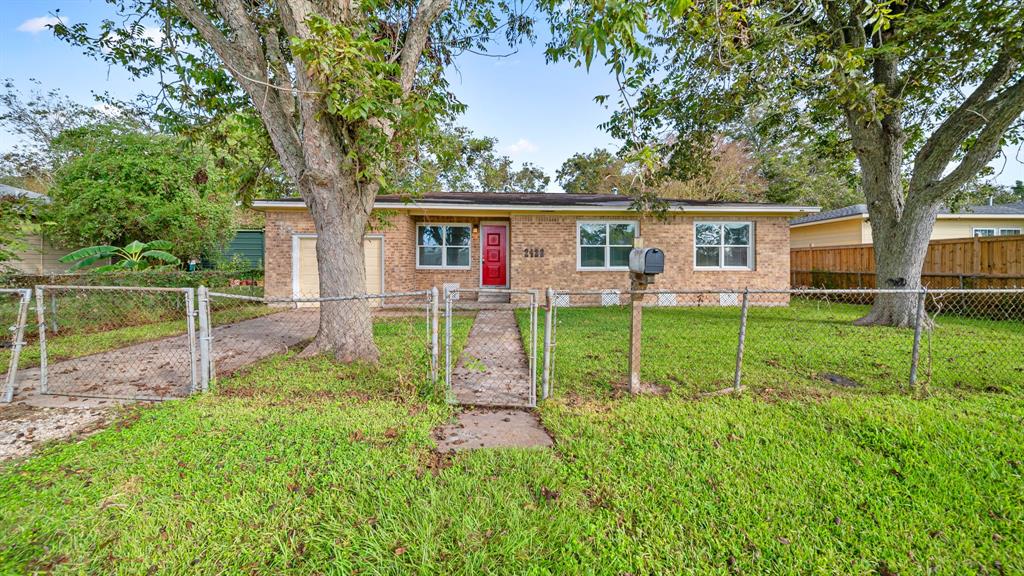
{"x":302,"y":466}
{"x":693,"y":350}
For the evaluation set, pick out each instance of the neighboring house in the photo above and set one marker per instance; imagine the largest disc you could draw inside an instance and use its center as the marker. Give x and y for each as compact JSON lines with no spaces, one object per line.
{"x":536,"y":241}
{"x":38,"y":256}
{"x":850,"y":225}
{"x":247,"y":245}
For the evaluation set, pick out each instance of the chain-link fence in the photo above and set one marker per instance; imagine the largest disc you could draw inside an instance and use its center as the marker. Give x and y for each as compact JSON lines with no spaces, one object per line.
{"x":698,"y":342}
{"x":491,"y":344}
{"x":237,"y":331}
{"x":115,"y":342}
{"x":13,"y":317}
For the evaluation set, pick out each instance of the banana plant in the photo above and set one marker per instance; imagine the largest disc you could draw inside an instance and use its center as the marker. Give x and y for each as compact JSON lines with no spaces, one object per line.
{"x":134,"y":256}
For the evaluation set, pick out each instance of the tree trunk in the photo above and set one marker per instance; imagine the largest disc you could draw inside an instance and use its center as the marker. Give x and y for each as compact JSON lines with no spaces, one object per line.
{"x":340,"y":214}
{"x":901,"y":225}
{"x":900,"y":247}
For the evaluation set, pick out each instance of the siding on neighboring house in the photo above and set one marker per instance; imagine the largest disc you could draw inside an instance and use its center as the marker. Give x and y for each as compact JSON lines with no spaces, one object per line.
{"x":39,"y":257}
{"x":247,"y":245}
{"x":834,"y":233}
{"x":851,"y":226}
{"x":946,"y":228}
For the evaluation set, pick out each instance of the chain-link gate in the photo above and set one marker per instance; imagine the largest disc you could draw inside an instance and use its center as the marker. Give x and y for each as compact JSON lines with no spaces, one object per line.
{"x":493,"y":361}
{"x":237,"y":331}
{"x":13,"y":316}
{"x":117,"y":342}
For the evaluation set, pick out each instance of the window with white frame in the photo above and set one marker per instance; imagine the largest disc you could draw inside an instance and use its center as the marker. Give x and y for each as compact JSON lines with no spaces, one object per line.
{"x":988,"y":232}
{"x":443,"y":245}
{"x":604,"y":245}
{"x":724,"y":245}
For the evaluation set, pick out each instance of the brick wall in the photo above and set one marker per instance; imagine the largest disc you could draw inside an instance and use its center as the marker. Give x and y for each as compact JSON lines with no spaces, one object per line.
{"x":557,"y":269}
{"x":400,"y":272}
{"x":556,"y":235}
{"x":277,"y":249}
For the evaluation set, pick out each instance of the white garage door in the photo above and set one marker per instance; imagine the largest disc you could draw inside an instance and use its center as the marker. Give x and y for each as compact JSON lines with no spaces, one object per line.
{"x":307,"y":284}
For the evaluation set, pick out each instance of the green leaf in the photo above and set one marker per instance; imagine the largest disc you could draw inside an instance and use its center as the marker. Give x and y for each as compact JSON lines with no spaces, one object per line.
{"x":160,"y":255}
{"x":134,"y":247}
{"x":159,"y":245}
{"x":91,"y":251}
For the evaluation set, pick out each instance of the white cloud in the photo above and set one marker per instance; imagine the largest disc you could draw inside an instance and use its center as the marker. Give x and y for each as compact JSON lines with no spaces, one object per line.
{"x":107,"y":109}
{"x":520,"y":146}
{"x":153,"y":35}
{"x":38,"y":24}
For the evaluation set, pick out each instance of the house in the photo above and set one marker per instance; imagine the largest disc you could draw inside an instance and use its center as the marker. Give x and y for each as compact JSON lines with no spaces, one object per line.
{"x":850,"y":225}
{"x":36,"y":255}
{"x":536,"y":241}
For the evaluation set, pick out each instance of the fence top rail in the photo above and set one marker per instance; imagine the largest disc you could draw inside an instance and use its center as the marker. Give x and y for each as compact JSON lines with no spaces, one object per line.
{"x":382,"y":296}
{"x":980,"y":276}
{"x":22,"y":291}
{"x":530,"y":291}
{"x":236,"y":296}
{"x":114,"y":288}
{"x":798,"y":291}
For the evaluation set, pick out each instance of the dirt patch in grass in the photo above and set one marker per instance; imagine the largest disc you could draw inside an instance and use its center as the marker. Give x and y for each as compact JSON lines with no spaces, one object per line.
{"x":839,"y":380}
{"x":23,"y":428}
{"x":620,"y":389}
{"x":434,"y":462}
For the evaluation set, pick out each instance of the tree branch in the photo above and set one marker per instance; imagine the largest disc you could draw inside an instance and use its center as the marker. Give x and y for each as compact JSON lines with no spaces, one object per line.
{"x":248,"y":66}
{"x":942,"y":145}
{"x":416,"y":39}
{"x":1002,"y":112}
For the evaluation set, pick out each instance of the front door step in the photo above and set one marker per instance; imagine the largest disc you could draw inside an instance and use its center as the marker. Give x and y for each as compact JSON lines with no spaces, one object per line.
{"x":494,"y":297}
{"x":484,"y":428}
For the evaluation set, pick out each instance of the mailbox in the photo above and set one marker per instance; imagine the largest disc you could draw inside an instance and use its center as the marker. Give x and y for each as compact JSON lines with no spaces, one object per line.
{"x":646,"y":261}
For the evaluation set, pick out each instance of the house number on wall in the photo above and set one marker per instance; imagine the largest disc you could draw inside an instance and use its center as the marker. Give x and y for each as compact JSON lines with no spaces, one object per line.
{"x":533,"y":252}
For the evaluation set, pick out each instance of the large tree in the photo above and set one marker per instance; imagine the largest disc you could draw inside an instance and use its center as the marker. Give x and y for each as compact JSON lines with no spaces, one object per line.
{"x":459,"y":161}
{"x":117,"y":186}
{"x":342,"y":88}
{"x":596,"y":172}
{"x":924,"y":92}
{"x":37,"y":118}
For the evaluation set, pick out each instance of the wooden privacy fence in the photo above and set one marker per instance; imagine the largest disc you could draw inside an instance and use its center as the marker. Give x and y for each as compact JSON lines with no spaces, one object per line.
{"x":996,"y":262}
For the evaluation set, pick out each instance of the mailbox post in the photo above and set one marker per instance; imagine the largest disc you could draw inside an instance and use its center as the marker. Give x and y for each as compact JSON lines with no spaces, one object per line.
{"x":644,"y":264}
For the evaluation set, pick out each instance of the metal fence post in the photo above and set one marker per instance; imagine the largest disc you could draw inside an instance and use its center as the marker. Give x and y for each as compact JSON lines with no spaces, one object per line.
{"x":449,"y":396}
{"x":534,"y":302}
{"x":433,"y":334}
{"x":53,"y":312}
{"x":918,"y":322}
{"x":19,"y":337}
{"x":41,"y":324}
{"x":742,"y":341}
{"x":548,"y":313}
{"x":190,"y":328}
{"x":205,"y":369}
{"x":636,"y":309}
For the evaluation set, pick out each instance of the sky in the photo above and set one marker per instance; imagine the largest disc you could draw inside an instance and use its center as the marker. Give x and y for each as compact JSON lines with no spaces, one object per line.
{"x":539,"y":112}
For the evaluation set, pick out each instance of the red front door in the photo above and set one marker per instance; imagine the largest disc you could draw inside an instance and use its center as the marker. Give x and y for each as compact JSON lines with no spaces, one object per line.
{"x":494,"y":270}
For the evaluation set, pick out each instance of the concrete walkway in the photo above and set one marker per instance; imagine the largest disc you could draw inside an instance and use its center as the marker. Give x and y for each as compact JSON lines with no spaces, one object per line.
{"x":493,"y":369}
{"x":158,"y":369}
